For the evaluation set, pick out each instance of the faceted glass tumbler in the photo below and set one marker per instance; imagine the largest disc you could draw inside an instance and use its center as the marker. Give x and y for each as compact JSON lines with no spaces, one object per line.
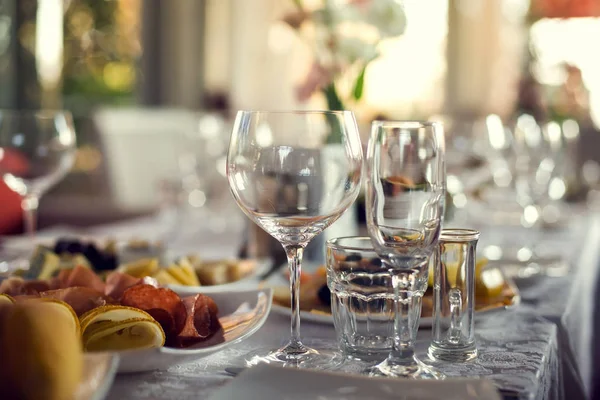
{"x":453,"y":333}
{"x":362,"y":299}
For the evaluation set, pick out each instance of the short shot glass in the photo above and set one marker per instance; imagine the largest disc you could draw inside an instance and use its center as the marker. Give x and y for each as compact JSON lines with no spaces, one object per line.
{"x":453,"y":333}
{"x":362,"y":299}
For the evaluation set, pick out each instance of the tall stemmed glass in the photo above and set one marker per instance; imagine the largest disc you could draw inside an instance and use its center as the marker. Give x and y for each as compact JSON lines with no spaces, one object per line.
{"x":37,"y":149}
{"x":405,"y":207}
{"x":292,"y":181}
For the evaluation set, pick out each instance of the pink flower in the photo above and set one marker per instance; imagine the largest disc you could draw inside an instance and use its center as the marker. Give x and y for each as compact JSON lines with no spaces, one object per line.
{"x":317,"y":78}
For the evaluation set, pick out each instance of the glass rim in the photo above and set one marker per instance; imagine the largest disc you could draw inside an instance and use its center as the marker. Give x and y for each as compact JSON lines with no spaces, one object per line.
{"x":459,"y":235}
{"x":332,"y":243}
{"x":297,"y":112}
{"x":409,"y":124}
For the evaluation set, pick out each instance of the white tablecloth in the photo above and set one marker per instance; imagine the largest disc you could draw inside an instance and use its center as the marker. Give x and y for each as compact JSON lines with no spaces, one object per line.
{"x":542,"y":349}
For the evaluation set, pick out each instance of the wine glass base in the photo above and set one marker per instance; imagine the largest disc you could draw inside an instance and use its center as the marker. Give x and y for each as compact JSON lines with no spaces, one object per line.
{"x":415,"y":370}
{"x":296,"y":357}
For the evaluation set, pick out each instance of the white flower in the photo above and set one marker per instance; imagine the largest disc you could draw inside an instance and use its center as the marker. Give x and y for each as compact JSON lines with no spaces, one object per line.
{"x":388,"y":16}
{"x":352,"y":49}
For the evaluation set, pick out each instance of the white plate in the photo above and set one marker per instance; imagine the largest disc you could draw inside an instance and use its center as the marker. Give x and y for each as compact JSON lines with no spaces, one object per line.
{"x":267,"y":382}
{"x":318,"y":318}
{"x":99,"y":370}
{"x":249,"y":282}
{"x":241,"y":314}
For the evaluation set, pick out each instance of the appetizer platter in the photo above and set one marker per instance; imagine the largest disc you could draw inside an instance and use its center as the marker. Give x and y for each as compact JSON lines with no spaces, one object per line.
{"x":494,"y":291}
{"x":140,"y":259}
{"x":127,"y":309}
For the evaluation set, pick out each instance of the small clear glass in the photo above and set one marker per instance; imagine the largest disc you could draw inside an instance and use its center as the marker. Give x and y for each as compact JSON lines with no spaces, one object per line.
{"x":454,"y":296}
{"x":362,"y":299}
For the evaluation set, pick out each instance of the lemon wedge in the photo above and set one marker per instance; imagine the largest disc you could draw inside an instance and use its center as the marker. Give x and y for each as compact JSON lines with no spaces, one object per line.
{"x":163,"y":277}
{"x":111,"y":313}
{"x":186,"y":267}
{"x":453,"y":275}
{"x":64,"y":309}
{"x":184,"y":273}
{"x":140,"y":268}
{"x":6,"y":299}
{"x":130,"y":334}
{"x":38,"y":342}
{"x":115,"y":328}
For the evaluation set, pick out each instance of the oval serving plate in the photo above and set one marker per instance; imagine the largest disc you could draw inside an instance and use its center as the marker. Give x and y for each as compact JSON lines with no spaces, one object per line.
{"x":509,"y":298}
{"x":241,"y":314}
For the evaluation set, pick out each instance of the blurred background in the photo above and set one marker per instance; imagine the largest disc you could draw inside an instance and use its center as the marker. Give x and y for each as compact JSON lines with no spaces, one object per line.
{"x":153,"y":86}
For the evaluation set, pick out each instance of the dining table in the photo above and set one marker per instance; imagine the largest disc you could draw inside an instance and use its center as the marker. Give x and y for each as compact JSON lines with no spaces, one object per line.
{"x":541,"y":348}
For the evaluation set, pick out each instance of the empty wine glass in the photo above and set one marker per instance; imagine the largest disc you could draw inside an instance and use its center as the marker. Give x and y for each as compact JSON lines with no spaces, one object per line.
{"x":37,"y":149}
{"x":405,"y":207}
{"x":539,"y":184}
{"x":289,"y":178}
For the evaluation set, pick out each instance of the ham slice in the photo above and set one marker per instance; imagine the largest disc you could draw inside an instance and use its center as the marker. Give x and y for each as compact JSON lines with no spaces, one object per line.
{"x":15,"y":286}
{"x":81,"y":299}
{"x":117,"y":283}
{"x":201,"y":321}
{"x":12,"y":286}
{"x":82,"y":277}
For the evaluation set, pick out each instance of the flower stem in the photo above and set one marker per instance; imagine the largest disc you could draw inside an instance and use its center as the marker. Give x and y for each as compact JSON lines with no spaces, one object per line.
{"x":334,"y":103}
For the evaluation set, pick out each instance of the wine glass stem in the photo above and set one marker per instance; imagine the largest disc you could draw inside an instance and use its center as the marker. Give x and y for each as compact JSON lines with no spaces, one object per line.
{"x":30,"y":204}
{"x":404,"y":321}
{"x":294,"y":256}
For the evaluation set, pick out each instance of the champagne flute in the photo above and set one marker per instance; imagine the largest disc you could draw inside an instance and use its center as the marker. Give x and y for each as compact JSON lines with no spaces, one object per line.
{"x":37,"y":149}
{"x":405,"y":206}
{"x":291,"y":180}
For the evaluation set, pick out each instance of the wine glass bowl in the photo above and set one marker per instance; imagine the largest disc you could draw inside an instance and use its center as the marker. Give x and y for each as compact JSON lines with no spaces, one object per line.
{"x":405,"y":206}
{"x":293,"y":180}
{"x":37,"y":149}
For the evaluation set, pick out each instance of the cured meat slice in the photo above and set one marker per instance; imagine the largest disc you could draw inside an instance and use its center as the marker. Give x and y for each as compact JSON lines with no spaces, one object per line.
{"x":81,"y":299}
{"x":201,"y":322}
{"x":158,"y":302}
{"x":12,"y":286}
{"x":37,"y":286}
{"x":117,"y":282}
{"x":84,"y":277}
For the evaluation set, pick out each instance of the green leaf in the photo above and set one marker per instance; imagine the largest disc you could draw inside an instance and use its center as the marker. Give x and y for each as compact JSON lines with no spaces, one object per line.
{"x":334,"y":103}
{"x":359,"y":85}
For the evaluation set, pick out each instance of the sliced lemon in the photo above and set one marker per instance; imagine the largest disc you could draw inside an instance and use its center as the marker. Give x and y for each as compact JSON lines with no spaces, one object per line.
{"x":6,"y":299}
{"x":163,"y":277}
{"x":188,"y":269}
{"x":64,"y":309}
{"x":111,"y":313}
{"x":130,"y":334}
{"x":452,"y":271}
{"x":490,"y":283}
{"x":185,"y":274}
{"x":140,"y":268}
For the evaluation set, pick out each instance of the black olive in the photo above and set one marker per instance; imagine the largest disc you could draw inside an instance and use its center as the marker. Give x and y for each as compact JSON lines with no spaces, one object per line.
{"x":353,"y":257}
{"x":110,"y":262}
{"x":74,"y":247}
{"x":324,"y":295}
{"x":62,"y":245}
{"x":376,"y":262}
{"x":94,"y":256}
